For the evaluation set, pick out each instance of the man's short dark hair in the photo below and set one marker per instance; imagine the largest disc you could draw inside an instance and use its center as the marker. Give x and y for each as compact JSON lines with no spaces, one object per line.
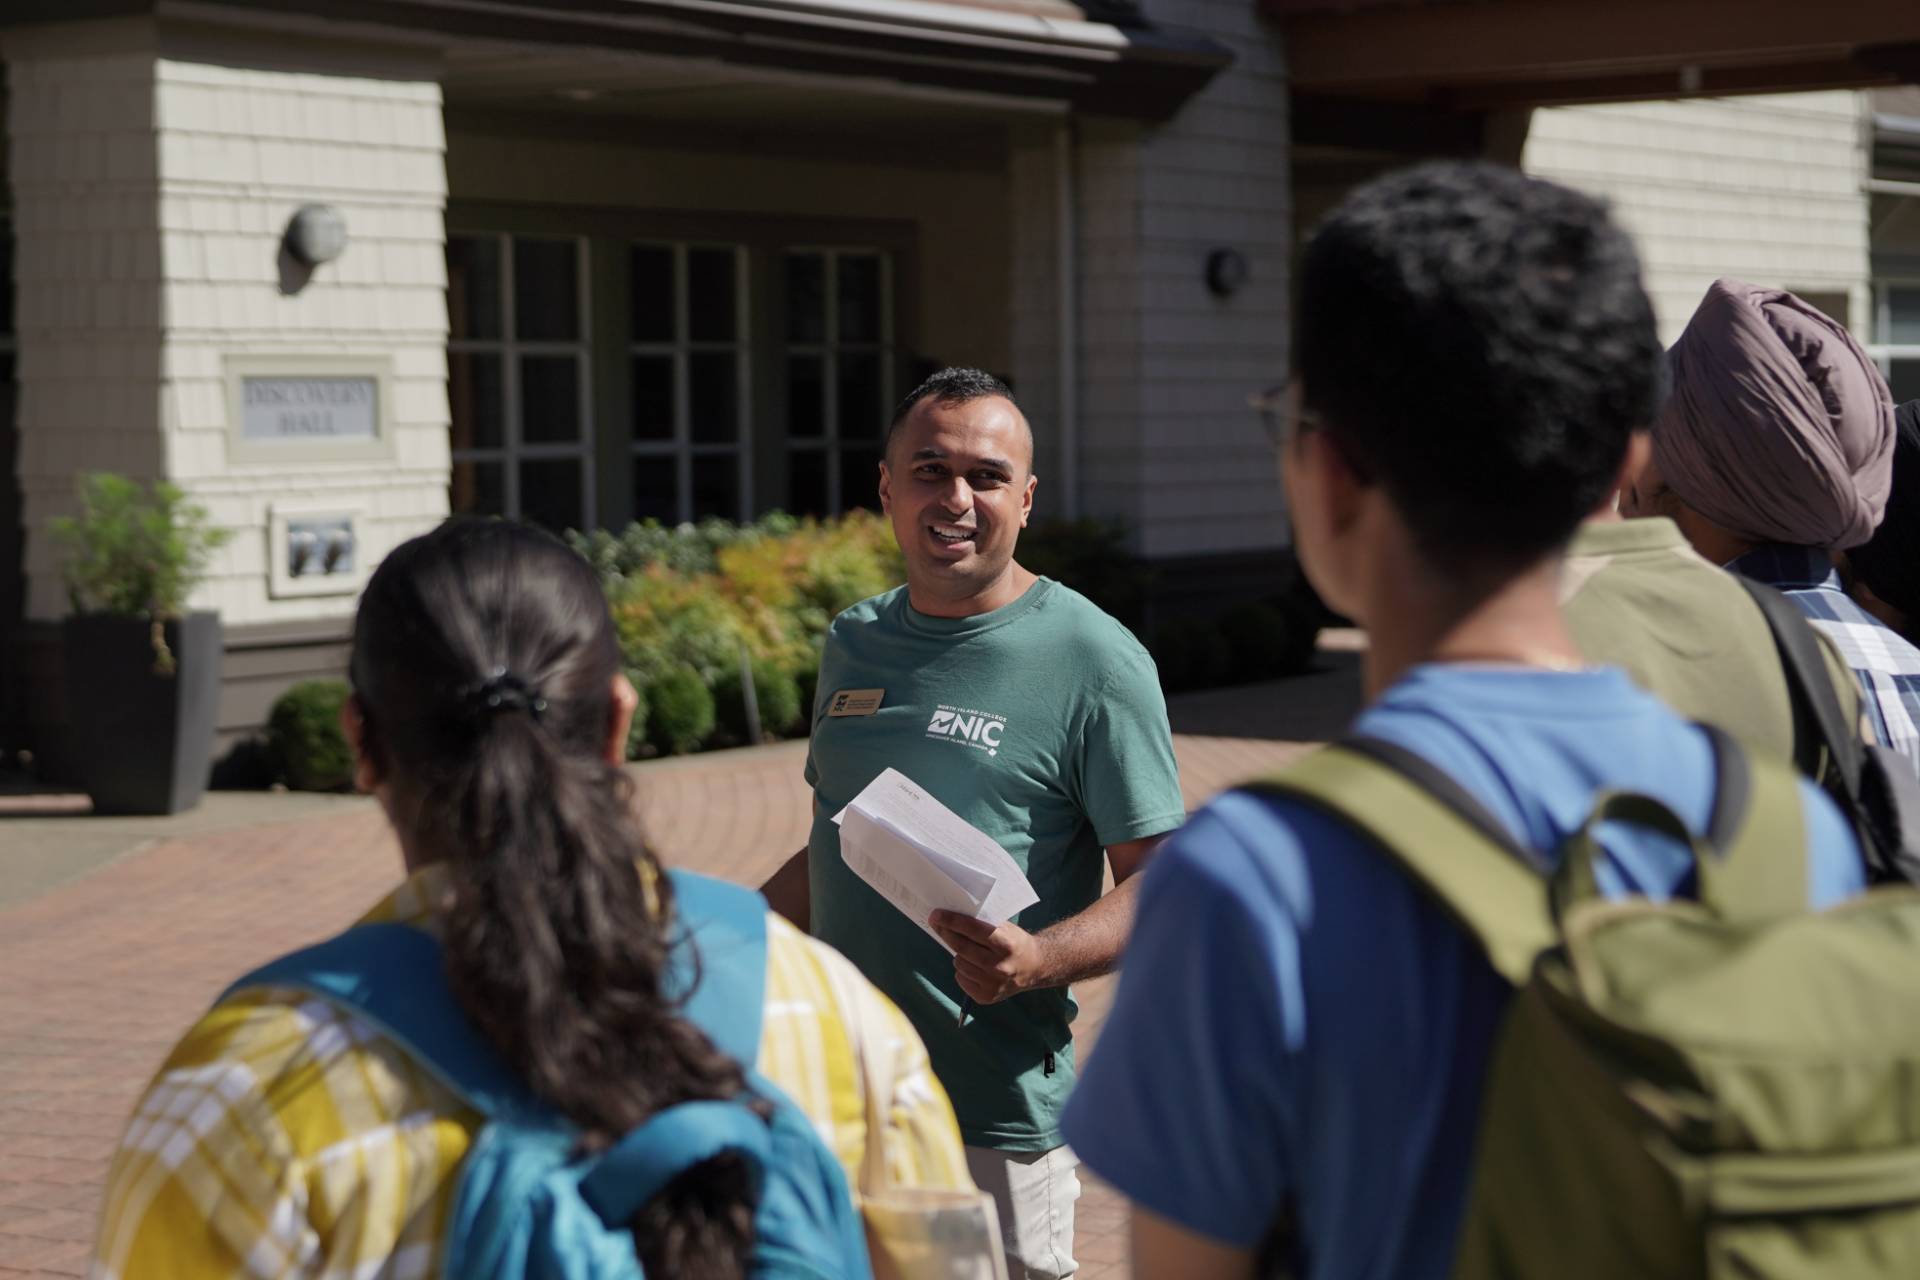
{"x":1478,"y":342}
{"x":949,"y":386}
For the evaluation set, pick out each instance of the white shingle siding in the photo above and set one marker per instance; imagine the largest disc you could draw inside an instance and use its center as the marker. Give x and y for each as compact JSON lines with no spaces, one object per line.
{"x":240,"y":150}
{"x":89,"y":378}
{"x":1764,"y":188}
{"x":1168,"y":442}
{"x":150,"y":196}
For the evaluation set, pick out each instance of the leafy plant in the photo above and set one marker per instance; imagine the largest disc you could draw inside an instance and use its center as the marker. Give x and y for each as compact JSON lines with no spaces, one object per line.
{"x":1191,"y":654}
{"x":303,"y":732}
{"x":1094,"y":558}
{"x":776,"y":696}
{"x":1256,"y":632}
{"x":679,"y":711}
{"x":133,"y":550}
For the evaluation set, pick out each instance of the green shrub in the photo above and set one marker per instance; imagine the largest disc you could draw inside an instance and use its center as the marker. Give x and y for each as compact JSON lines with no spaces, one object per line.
{"x":1256,"y":632}
{"x":1191,"y":654}
{"x":1092,"y":557}
{"x":807,"y":680}
{"x":665,"y":620}
{"x":1305,"y":616}
{"x":776,"y":697}
{"x":637,"y":730}
{"x":133,"y":550}
{"x":679,"y":711}
{"x":681,"y":549}
{"x":303,"y":733}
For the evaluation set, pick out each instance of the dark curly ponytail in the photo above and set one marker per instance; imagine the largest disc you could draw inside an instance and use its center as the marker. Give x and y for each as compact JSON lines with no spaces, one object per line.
{"x":483,"y":662}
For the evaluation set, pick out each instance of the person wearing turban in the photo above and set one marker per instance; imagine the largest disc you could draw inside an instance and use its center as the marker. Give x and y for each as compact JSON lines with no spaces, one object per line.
{"x":1886,"y":568}
{"x":1774,"y":454}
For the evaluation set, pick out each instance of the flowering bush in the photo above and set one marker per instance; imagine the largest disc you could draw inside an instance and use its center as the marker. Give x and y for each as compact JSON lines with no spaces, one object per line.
{"x":697,"y":597}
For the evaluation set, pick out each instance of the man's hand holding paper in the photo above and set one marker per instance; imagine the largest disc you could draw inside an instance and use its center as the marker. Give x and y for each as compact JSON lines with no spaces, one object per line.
{"x":924,"y":858}
{"x":992,"y":961}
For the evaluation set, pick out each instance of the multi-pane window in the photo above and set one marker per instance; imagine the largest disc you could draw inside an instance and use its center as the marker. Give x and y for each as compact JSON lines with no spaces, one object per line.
{"x":517,"y":378}
{"x":839,"y":376}
{"x":1896,"y":334}
{"x":690,"y":363}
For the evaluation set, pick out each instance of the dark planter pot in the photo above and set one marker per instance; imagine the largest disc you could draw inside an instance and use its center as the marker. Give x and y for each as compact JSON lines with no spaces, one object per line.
{"x":144,"y":740}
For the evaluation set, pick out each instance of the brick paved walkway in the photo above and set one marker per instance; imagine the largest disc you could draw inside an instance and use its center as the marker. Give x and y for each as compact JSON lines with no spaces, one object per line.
{"x":99,"y":976}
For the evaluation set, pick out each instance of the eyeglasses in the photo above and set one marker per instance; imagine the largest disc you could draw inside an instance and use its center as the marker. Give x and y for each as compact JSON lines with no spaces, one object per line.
{"x":1280,"y":408}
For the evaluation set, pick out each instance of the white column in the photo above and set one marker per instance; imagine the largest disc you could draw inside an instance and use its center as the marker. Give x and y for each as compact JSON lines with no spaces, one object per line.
{"x":1168,"y":441}
{"x":241,"y":149}
{"x":87,"y":278}
{"x":152,"y":186}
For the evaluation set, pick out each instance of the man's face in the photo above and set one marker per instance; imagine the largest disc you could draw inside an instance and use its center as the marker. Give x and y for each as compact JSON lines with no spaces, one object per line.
{"x":958,"y":485}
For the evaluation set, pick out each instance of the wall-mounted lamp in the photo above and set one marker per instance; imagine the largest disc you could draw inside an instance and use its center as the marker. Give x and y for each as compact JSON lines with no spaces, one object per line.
{"x":1227,"y":271}
{"x":317,"y":233}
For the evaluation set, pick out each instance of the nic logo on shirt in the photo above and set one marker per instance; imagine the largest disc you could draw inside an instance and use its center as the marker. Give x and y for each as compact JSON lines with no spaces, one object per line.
{"x":980,"y":730}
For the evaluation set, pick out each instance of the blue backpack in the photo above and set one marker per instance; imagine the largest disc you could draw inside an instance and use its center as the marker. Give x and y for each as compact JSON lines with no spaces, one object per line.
{"x":525,"y":1205}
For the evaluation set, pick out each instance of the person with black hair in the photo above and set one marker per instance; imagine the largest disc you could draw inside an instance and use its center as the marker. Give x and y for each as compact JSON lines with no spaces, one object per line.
{"x":1293,"y":1067}
{"x":287,"y":1135}
{"x":1021,"y":706}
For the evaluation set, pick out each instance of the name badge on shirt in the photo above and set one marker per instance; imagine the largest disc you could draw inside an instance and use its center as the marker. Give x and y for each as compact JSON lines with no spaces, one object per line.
{"x":856,"y":702}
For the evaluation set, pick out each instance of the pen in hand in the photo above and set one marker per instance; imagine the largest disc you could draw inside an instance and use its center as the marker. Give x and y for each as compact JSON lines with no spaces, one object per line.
{"x":966,"y":1007}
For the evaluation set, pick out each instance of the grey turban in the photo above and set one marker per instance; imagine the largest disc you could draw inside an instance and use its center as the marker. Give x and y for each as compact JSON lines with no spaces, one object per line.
{"x":1780,"y":428}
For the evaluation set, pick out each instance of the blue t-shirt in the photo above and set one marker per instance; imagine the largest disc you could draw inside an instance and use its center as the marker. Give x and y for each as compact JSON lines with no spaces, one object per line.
{"x":1300,"y":1029}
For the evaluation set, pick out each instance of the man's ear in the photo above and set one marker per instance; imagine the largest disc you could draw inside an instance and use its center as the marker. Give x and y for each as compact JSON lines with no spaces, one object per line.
{"x":626,"y":700}
{"x":353,"y":726}
{"x":886,"y":489}
{"x":1341,"y":487}
{"x":1026,"y":500}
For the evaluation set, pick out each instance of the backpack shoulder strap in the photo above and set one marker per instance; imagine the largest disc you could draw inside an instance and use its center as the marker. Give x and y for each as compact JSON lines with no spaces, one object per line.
{"x":726,"y":968}
{"x":1819,"y":724}
{"x":393,"y":976}
{"x":1758,"y":870}
{"x":1443,"y":837}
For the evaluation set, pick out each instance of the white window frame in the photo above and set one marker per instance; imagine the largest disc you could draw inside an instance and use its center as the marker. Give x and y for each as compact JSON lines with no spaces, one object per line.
{"x":512,"y":450}
{"x":829,"y":440}
{"x":682,"y":447}
{"x":1882,"y":352}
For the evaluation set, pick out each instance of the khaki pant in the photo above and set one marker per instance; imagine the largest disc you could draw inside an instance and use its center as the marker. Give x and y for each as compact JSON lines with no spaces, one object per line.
{"x":1035,"y":1192}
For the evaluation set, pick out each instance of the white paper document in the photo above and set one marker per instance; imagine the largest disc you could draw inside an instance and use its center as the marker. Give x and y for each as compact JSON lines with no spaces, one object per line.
{"x":923,"y":857}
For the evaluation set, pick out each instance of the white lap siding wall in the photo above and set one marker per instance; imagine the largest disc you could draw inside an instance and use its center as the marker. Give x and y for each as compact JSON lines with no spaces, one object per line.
{"x":151,"y":189}
{"x":240,"y":150}
{"x":1764,"y":188}
{"x":1167,"y":440}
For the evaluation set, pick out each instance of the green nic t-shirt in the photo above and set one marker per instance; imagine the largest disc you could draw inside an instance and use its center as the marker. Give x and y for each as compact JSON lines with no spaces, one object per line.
{"x":1043,"y":725}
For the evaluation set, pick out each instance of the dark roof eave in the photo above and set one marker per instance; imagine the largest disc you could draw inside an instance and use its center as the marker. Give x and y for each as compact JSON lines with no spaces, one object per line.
{"x":1137,"y":70}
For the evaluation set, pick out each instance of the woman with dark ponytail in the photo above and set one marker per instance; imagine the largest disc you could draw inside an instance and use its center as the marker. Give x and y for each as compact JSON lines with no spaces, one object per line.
{"x":287,"y":1136}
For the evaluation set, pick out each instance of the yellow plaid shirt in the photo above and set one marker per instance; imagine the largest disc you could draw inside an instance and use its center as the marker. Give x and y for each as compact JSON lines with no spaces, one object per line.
{"x":284,"y":1137}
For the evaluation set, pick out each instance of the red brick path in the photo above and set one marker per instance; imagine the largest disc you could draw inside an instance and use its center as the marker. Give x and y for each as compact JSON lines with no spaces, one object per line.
{"x":98,"y":977}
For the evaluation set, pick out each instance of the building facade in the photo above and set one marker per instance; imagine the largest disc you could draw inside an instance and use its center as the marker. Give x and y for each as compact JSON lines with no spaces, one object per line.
{"x":647,"y":260}
{"x":339,"y":267}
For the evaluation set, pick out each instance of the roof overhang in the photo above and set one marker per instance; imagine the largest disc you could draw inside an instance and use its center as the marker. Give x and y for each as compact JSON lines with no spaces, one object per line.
{"x":1498,"y":54}
{"x":1096,"y":56}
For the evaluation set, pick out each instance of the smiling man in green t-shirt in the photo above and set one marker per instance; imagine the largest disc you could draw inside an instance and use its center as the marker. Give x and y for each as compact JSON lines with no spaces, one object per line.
{"x":1036,"y":717}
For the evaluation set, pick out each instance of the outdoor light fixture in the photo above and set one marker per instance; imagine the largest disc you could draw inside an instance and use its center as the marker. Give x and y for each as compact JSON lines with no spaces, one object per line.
{"x":316,"y":233}
{"x":1227,"y":271}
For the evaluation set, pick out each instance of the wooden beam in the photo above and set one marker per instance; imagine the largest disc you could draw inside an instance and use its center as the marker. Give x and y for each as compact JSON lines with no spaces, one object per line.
{"x":1354,"y":124}
{"x":1715,"y":82}
{"x":1404,"y":49}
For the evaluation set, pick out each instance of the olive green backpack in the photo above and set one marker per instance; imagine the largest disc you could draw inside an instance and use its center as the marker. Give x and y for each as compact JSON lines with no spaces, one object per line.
{"x":1720,"y":1088}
